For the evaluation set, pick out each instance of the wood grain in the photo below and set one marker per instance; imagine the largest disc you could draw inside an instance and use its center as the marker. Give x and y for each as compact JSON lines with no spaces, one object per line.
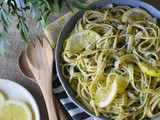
{"x":39,"y":58}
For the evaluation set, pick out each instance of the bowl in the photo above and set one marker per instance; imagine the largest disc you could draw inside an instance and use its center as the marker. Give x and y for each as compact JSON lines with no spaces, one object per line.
{"x":14,"y":91}
{"x":68,"y":28}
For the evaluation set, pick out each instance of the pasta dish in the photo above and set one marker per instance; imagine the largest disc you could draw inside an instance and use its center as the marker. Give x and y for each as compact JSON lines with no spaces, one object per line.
{"x":112,"y":61}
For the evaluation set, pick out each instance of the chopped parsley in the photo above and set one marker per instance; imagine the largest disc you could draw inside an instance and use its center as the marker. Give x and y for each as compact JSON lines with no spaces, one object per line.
{"x":76,"y":69}
{"x":114,"y":13}
{"x":130,"y":111}
{"x":158,"y":84}
{"x":123,"y":107}
{"x":112,"y":62}
{"x":95,"y":46}
{"x":142,"y":97}
{"x":112,"y":114}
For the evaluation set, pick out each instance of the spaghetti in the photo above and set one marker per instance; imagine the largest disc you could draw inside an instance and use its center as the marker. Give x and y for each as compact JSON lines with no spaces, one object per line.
{"x":118,"y":52}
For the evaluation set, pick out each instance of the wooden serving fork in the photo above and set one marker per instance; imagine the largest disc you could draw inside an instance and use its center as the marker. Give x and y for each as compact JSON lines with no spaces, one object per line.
{"x":40,"y":61}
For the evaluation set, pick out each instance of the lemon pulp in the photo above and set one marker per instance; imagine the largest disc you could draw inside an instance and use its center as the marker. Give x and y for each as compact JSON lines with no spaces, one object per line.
{"x":14,"y":110}
{"x":106,"y":97}
{"x":136,"y":14}
{"x":79,"y":40}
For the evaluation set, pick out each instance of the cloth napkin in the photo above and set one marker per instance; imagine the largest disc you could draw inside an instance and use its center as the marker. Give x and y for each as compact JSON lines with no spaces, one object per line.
{"x":52,"y":31}
{"x":75,"y":112}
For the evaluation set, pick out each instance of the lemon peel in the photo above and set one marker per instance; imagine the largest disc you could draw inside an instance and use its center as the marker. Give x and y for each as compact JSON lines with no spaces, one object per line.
{"x":14,"y":109}
{"x":79,"y":40}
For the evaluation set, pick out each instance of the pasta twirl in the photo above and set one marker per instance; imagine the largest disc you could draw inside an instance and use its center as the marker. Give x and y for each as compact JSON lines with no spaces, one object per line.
{"x":119,"y":52}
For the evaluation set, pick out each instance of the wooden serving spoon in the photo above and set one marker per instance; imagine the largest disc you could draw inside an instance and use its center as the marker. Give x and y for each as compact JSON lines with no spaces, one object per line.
{"x":40,"y":61}
{"x":25,"y":70}
{"x":24,"y":67}
{"x":33,"y":71}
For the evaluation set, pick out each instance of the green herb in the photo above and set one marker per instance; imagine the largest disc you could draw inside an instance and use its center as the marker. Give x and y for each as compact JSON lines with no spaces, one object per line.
{"x":142,"y":98}
{"x":148,"y":57}
{"x":69,"y":5}
{"x":136,"y":95}
{"x":113,"y":12}
{"x":158,"y":84}
{"x":85,"y":69}
{"x":95,"y":46}
{"x":115,"y":25}
{"x":39,"y":9}
{"x":78,"y":4}
{"x":126,"y":45}
{"x":101,"y":32}
{"x":76,"y":69}
{"x":112,"y":62}
{"x":112,"y":114}
{"x":2,"y":48}
{"x":100,"y":22}
{"x":123,"y":107}
{"x":131,"y":111}
{"x":109,"y":39}
{"x":60,"y":5}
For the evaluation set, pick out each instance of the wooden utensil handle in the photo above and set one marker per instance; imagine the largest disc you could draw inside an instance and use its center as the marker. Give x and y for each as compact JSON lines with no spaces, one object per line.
{"x":62,"y":115}
{"x":50,"y":103}
{"x":46,"y":88}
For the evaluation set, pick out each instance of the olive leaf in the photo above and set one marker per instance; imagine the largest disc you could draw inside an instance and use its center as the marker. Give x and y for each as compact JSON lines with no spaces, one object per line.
{"x":24,"y":36}
{"x":40,"y":9}
{"x":2,"y":48}
{"x":69,"y":5}
{"x":78,"y":4}
{"x":60,"y":4}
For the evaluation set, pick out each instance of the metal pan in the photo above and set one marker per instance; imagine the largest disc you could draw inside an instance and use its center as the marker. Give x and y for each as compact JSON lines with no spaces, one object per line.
{"x":68,"y":28}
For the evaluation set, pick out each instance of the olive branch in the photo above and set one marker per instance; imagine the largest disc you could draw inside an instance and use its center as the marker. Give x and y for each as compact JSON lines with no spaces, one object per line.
{"x":40,"y":9}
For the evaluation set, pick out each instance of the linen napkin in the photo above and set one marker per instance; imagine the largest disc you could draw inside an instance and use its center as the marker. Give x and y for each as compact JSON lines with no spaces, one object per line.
{"x":52,"y":32}
{"x":75,"y":112}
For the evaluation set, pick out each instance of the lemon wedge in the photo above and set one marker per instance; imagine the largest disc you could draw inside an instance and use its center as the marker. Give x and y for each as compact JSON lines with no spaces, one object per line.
{"x":106,"y":97}
{"x":136,"y":14}
{"x":14,"y":110}
{"x":79,"y":40}
{"x":2,"y":98}
{"x":149,"y":69}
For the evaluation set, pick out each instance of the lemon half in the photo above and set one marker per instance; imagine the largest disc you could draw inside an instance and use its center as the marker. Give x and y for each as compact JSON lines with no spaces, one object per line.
{"x":149,"y":69}
{"x":15,"y":110}
{"x":106,"y":97}
{"x":136,"y":14}
{"x":79,"y":40}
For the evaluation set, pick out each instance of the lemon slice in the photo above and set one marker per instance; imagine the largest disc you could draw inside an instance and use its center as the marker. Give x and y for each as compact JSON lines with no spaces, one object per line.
{"x":149,"y":69}
{"x":106,"y":97}
{"x":14,"y":110}
{"x":2,"y":98}
{"x":79,"y":40}
{"x":136,"y":14}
